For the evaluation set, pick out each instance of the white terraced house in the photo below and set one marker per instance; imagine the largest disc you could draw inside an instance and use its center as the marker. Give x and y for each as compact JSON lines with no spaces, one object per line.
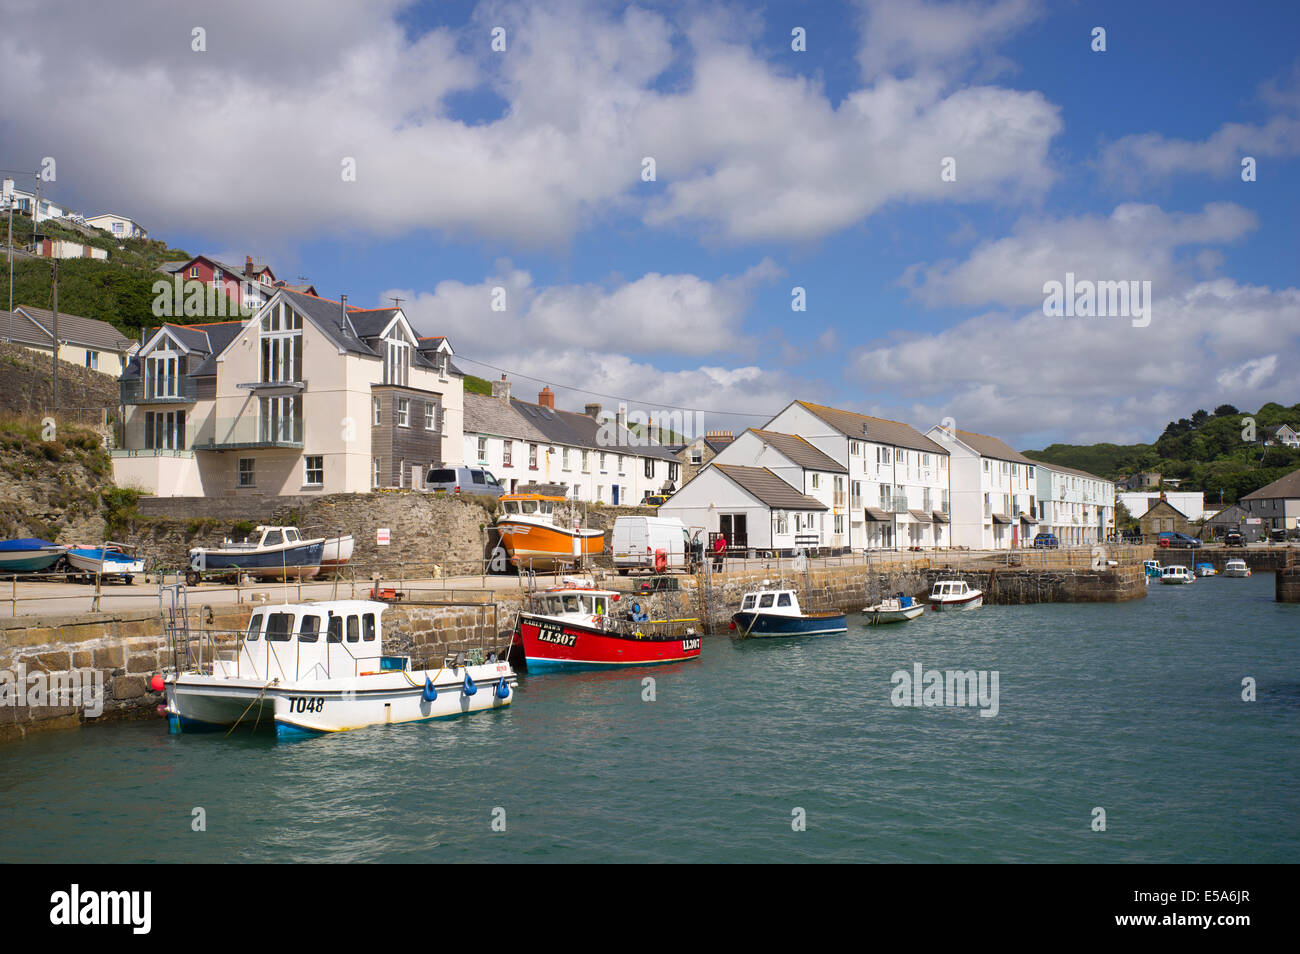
{"x":897,"y":479}
{"x":1077,"y":506}
{"x":995,"y":490}
{"x":306,"y":396}
{"x":811,"y":472}
{"x":592,"y":457}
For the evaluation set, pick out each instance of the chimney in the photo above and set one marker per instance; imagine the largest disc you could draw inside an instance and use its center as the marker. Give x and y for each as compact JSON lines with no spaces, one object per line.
{"x":719,"y":437}
{"x":592,"y":411}
{"x":248,"y":265}
{"x":621,"y":417}
{"x":343,"y":323}
{"x":501,"y":389}
{"x":546,"y":398}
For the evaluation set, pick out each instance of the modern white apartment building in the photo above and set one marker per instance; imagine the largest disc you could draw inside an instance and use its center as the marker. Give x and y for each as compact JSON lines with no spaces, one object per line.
{"x":1077,"y":506}
{"x":994,"y":491}
{"x":897,"y":479}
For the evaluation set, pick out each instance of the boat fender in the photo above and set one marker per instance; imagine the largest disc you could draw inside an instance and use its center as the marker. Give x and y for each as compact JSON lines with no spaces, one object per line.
{"x":469,"y":688}
{"x":429,"y":693}
{"x":503,"y":690}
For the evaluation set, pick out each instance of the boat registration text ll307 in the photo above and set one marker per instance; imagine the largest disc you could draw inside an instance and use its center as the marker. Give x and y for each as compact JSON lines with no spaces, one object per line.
{"x":554,"y":633}
{"x":689,"y":644}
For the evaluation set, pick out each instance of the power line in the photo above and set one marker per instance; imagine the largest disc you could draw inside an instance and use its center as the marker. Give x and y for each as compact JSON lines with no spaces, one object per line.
{"x":612,"y":397}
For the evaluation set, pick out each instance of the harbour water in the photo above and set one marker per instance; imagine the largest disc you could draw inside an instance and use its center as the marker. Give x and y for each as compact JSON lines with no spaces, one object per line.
{"x":1133,"y":707}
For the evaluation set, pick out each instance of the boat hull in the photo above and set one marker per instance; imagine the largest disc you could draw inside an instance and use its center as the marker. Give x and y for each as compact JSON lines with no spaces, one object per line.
{"x":336,"y":551}
{"x":293,"y":561}
{"x":90,"y":561}
{"x":903,"y":615}
{"x":542,"y":546}
{"x":200,"y":702}
{"x":27,"y":561}
{"x":965,"y":603}
{"x":549,"y":645}
{"x":773,"y":625}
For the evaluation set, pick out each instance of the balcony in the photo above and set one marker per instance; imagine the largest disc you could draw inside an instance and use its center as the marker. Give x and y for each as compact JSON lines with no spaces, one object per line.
{"x":251,"y":432}
{"x":894,"y":504}
{"x":837,"y":499}
{"x":274,"y":388}
{"x":181,"y":390}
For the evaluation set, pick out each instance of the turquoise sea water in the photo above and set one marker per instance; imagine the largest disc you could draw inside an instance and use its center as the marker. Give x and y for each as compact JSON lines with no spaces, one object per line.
{"x":1135,"y":708}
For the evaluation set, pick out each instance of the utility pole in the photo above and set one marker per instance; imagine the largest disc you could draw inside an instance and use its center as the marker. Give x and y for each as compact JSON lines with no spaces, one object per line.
{"x":11,"y":269}
{"x":54,"y":352}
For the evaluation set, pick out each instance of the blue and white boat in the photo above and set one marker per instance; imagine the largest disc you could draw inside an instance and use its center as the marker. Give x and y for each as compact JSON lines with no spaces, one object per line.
{"x":271,"y":553}
{"x":772,"y":613}
{"x":1205,"y":569}
{"x":111,"y":560}
{"x":316,"y":668}
{"x":29,"y":554}
{"x":894,"y":609}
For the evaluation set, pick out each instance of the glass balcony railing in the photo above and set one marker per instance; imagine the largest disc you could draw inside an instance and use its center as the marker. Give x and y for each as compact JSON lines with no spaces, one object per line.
{"x":249,"y":433}
{"x":179,"y":390}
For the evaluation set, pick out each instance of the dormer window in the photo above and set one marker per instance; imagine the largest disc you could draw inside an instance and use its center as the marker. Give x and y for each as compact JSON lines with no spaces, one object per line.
{"x":397,"y":358}
{"x":281,"y":345}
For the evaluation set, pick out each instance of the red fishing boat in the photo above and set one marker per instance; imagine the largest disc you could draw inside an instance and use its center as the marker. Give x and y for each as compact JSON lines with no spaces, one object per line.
{"x":581,"y":627}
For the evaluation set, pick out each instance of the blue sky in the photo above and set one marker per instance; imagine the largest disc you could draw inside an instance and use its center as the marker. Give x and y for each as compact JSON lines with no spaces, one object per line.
{"x":775,"y":168}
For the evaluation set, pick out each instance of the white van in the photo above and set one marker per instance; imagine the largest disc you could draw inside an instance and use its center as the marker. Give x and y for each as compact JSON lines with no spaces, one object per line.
{"x":637,"y":538}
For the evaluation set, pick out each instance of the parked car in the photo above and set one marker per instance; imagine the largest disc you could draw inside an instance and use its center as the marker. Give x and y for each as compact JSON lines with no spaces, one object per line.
{"x":1046,"y":541}
{"x":462,"y":480}
{"x":1171,"y":538}
{"x":1233,"y":538}
{"x":654,"y":500}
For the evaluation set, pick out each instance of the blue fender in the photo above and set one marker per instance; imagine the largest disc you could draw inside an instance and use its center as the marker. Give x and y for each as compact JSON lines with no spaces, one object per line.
{"x":429,"y":692}
{"x":469,"y":688}
{"x":503,"y":690}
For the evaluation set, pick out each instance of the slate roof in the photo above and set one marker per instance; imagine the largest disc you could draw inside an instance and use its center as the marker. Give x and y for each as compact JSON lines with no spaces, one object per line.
{"x":74,"y":329}
{"x":800,"y":452}
{"x":1069,"y":470}
{"x":208,"y":340}
{"x":489,"y":415}
{"x":768,"y":488}
{"x":1283,"y":487}
{"x":580,"y":430}
{"x":878,"y":429}
{"x":987,"y":446}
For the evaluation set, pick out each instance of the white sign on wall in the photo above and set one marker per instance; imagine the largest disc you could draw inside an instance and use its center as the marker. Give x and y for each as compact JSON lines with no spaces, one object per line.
{"x":381,"y":537}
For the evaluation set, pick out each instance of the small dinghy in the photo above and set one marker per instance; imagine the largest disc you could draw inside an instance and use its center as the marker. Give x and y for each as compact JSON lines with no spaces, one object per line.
{"x":320,"y":667}
{"x":894,"y":609}
{"x":115,"y":560}
{"x":772,"y":613}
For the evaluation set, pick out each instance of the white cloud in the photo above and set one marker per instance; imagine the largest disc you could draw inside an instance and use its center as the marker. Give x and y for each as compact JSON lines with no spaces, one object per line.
{"x":1137,"y":159}
{"x":1032,"y":379}
{"x":1135,"y":242}
{"x":923,"y":35}
{"x":248,"y":138}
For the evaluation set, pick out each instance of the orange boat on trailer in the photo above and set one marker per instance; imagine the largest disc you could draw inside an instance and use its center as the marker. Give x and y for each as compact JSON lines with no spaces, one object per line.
{"x":532,"y":539}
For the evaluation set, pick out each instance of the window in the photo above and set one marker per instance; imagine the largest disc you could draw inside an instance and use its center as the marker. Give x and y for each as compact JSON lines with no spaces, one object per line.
{"x":278,"y":627}
{"x":697,"y":457}
{"x":765,"y":600}
{"x":247,"y":472}
{"x":839,"y":523}
{"x":377,"y":416}
{"x":403,"y":412}
{"x":564,"y":458}
{"x":783,"y":599}
{"x":650,"y":467}
{"x":194,"y":271}
{"x":368,"y":627}
{"x":354,"y":629}
{"x":855,"y":448}
{"x":162,"y":375}
{"x":92,"y":360}
{"x":308,"y":629}
{"x":280,"y":420}
{"x":532,"y":456}
{"x":429,"y":415}
{"x":586,"y":462}
{"x":482,"y":450}
{"x":374,"y":480}
{"x":335,"y":632}
{"x":882,"y":455}
{"x":164,"y":430}
{"x":673,"y":470}
{"x":281,"y":341}
{"x":816,"y":481}
{"x":603,"y":465}
{"x":254,"y":628}
{"x":397,"y":359}
{"x":782,"y":522}
{"x":507,"y":453}
{"x":315,"y":471}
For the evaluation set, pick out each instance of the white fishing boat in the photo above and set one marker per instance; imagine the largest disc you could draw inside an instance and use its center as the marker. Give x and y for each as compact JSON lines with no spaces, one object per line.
{"x":894,"y":609}
{"x":954,"y":595}
{"x":1177,"y":575}
{"x":336,"y":551}
{"x":114,"y":560}
{"x":1237,"y":569}
{"x":320,"y":667}
{"x":776,"y":613}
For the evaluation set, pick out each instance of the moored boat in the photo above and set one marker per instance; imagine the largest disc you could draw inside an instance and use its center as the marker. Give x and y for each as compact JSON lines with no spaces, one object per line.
{"x":1152,"y":569}
{"x":271,"y":553}
{"x":1176,"y":575}
{"x":1205,"y":569}
{"x":776,"y":612}
{"x":320,"y":667}
{"x":582,"y":627}
{"x":1237,"y":569}
{"x":532,"y":539}
{"x":29,"y":554}
{"x":109,"y":560}
{"x":894,"y":609}
{"x":954,"y":595}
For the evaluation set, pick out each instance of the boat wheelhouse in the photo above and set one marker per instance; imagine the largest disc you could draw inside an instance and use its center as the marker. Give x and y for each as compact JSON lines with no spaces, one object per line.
{"x":320,"y":667}
{"x":954,"y":594}
{"x":270,"y":553}
{"x":776,"y":612}
{"x":1177,"y":574}
{"x":583,"y":627}
{"x":533,"y":540}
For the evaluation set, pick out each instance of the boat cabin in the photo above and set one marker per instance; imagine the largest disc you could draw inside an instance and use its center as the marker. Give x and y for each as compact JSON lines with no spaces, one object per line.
{"x":949,"y":589}
{"x":772,"y":603}
{"x":584,"y":605}
{"x":267,"y":537}
{"x":529,"y":505}
{"x":329,"y":639}
{"x":1176,"y":573}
